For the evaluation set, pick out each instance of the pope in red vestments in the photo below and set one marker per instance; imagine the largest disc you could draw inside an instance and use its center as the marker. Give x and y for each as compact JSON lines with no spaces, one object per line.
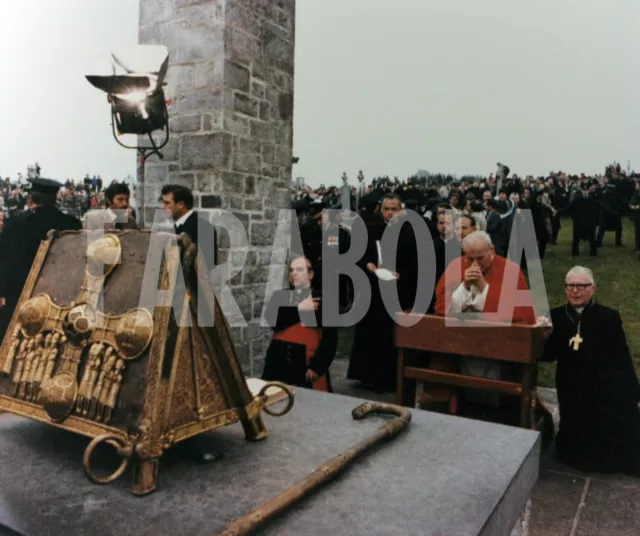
{"x":475,"y":283}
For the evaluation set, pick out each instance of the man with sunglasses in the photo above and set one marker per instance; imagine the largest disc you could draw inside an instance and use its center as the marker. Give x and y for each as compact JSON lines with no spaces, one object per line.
{"x":598,"y":389}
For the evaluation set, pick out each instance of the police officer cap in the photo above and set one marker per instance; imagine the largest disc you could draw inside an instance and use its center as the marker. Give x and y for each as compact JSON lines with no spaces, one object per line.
{"x":44,"y":186}
{"x":317,"y":207}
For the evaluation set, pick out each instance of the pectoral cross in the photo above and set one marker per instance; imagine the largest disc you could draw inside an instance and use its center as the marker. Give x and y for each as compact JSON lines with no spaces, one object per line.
{"x":576,"y":340}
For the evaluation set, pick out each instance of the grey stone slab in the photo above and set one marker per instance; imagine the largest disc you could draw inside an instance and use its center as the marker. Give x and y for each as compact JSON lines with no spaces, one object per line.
{"x":610,"y":510}
{"x":522,"y":525}
{"x":555,"y":502}
{"x":444,"y":476}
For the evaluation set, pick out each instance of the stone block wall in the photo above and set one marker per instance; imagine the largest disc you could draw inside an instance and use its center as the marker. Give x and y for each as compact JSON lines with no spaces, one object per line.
{"x":231,"y":123}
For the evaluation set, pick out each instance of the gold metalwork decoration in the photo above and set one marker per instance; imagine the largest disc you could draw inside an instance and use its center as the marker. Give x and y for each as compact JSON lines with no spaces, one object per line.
{"x":67,"y":365}
{"x":290,"y":398}
{"x":103,"y":256}
{"x":50,"y":343}
{"x":13,"y":351}
{"x":123,"y":449}
{"x":133,"y":333}
{"x":58,"y":395}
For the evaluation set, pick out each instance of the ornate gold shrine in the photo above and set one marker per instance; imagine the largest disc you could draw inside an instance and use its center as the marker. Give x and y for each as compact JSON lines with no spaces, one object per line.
{"x":81,"y":354}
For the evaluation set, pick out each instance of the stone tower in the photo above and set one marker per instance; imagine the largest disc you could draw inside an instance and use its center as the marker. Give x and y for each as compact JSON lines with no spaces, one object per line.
{"x":231,"y":123}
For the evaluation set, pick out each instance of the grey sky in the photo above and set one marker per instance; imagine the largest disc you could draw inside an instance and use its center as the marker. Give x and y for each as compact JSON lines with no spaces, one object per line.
{"x":387,"y":87}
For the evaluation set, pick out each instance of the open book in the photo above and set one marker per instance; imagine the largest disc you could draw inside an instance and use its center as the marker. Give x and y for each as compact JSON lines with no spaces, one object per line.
{"x":273,"y":393}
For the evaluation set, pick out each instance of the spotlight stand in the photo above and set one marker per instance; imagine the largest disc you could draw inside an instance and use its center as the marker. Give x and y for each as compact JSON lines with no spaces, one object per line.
{"x":143,"y":153}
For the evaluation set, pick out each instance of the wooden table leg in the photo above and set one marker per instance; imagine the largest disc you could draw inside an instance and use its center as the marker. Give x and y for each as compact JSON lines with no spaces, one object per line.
{"x":406,"y":387}
{"x":528,"y":397}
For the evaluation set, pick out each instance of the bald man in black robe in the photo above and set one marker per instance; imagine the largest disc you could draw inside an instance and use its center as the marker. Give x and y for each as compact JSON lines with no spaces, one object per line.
{"x":598,"y":389}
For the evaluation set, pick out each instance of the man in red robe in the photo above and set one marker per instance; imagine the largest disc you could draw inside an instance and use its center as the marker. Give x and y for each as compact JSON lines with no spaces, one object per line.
{"x":474,"y":283}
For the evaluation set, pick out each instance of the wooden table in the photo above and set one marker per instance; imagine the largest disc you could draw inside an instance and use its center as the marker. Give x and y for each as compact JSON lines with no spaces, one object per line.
{"x":521,"y":344}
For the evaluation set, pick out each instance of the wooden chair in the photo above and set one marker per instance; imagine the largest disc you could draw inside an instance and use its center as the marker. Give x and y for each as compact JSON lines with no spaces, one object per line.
{"x":507,"y":343}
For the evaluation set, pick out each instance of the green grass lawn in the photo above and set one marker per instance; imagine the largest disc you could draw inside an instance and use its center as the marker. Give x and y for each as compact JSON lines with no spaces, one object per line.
{"x":617,"y":272}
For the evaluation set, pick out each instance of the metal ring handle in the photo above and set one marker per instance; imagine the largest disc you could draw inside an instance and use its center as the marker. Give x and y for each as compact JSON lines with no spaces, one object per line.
{"x":290,"y":398}
{"x":114,"y":441}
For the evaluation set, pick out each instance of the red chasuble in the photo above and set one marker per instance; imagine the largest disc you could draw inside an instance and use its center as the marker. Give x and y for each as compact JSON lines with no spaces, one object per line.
{"x":501,"y":269}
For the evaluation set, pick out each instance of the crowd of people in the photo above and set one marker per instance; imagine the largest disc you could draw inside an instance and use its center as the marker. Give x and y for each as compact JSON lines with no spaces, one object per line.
{"x":474,"y":217}
{"x":596,"y":204}
{"x":600,"y":416}
{"x":75,"y":198}
{"x":453,"y":209}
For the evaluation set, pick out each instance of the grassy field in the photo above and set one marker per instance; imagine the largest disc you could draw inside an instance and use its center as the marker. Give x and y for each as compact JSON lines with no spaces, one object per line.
{"x":617,"y":272}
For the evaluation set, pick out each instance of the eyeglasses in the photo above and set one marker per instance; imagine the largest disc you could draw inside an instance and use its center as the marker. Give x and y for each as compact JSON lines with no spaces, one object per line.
{"x":577,"y":286}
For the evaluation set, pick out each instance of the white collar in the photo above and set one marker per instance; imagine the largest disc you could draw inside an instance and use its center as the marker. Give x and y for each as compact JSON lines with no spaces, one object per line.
{"x":183,"y":218}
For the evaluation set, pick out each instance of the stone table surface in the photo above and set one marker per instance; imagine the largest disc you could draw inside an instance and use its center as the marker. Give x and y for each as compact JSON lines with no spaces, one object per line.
{"x":565,"y":502}
{"x":444,"y":476}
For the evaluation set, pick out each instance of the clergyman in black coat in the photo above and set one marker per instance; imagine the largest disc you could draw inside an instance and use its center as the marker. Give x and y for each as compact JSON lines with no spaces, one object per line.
{"x":373,"y":355}
{"x":300,"y":352}
{"x":598,"y":389}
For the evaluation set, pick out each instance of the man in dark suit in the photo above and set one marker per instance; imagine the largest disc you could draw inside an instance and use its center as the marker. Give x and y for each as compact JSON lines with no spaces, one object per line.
{"x":496,"y":227}
{"x":20,"y":240}
{"x":634,"y":207}
{"x":177,"y":202}
{"x":611,"y":209}
{"x":584,"y":209}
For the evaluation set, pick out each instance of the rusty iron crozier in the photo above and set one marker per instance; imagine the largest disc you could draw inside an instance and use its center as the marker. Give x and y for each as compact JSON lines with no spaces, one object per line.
{"x":83,"y":355}
{"x":326,"y":472}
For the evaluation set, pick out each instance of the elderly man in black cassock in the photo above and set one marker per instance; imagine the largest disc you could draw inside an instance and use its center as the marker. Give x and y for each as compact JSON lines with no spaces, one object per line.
{"x":598,"y":390}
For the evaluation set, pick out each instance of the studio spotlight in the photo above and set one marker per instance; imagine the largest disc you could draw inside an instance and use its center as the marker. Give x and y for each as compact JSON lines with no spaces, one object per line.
{"x":138,"y":103}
